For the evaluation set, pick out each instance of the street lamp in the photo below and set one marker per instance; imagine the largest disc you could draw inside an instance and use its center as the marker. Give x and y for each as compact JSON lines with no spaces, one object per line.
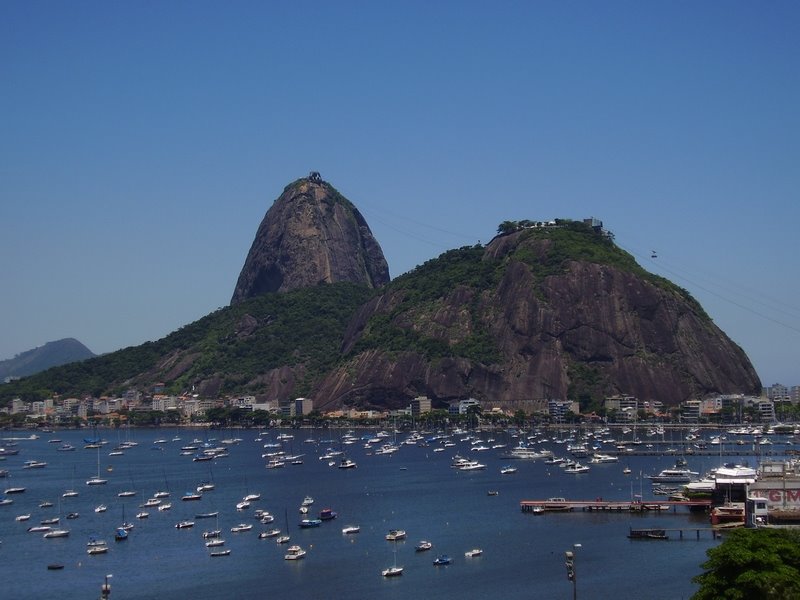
{"x":105,"y":589}
{"x":569,"y":557}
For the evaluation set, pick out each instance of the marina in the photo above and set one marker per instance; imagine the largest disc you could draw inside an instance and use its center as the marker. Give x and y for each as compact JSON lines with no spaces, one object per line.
{"x":408,"y":494}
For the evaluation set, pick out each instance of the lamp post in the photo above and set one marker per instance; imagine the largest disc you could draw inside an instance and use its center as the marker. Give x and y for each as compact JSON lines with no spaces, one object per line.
{"x":105,"y":589}
{"x":569,"y":557}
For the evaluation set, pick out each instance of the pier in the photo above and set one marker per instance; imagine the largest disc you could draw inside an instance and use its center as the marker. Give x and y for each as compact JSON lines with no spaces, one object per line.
{"x":664,"y":534}
{"x":563,"y":505}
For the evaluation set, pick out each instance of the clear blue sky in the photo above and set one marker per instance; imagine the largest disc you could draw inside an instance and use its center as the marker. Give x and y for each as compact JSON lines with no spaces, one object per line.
{"x":142,"y":142}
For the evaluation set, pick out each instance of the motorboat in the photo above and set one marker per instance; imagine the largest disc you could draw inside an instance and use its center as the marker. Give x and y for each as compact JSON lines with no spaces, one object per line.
{"x":396,"y":535}
{"x":309,"y":523}
{"x":184,"y":524}
{"x":241,"y":527}
{"x":346,"y":463}
{"x":473,"y":552}
{"x":508,"y":470}
{"x":294,"y":553}
{"x":576,"y":468}
{"x":97,"y":550}
{"x":423,"y":546}
{"x":56,"y":533}
{"x":674,"y":475}
{"x":215,"y":542}
{"x":225,"y":552}
{"x":351,"y":529}
{"x":441,"y":560}
{"x":268,"y":534}
{"x":326,"y":514}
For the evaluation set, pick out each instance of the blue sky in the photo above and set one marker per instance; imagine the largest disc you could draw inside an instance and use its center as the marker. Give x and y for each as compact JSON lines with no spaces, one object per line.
{"x":141,"y":144}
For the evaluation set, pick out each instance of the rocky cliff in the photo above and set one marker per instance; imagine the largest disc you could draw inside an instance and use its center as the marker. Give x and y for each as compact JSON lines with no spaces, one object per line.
{"x":310,"y":235}
{"x":536,"y":316}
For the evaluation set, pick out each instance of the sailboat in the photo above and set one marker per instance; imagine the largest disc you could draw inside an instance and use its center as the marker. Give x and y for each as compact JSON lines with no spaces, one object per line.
{"x":162,"y":493}
{"x":394,"y":570}
{"x":97,"y":480}
{"x":57,"y":533}
{"x":283,"y":539}
{"x":125,"y":525}
{"x":128,"y":493}
{"x":71,"y":493}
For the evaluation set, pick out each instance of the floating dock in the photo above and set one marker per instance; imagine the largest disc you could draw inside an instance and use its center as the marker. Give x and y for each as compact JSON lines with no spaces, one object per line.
{"x":563,"y":505}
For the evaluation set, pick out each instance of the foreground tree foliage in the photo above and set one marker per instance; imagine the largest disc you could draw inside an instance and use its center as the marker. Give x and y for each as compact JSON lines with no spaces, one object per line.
{"x":752,"y":563}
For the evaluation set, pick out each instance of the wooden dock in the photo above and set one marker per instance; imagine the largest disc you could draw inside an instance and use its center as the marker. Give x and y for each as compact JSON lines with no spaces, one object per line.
{"x":666,"y":534}
{"x":620,"y":506}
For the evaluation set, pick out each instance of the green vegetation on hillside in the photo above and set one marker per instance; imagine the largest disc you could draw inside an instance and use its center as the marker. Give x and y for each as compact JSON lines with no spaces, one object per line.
{"x":302,"y":326}
{"x":422,"y":291}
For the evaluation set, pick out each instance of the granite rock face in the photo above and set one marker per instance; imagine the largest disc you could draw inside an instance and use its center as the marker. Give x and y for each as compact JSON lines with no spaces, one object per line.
{"x":590,"y":330}
{"x":310,"y":235}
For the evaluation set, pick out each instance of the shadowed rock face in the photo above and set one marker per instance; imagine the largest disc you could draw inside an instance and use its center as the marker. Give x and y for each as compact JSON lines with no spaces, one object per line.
{"x":310,"y":235}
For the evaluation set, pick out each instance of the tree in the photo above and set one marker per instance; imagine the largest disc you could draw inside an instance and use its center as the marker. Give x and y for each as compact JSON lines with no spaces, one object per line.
{"x":752,"y":563}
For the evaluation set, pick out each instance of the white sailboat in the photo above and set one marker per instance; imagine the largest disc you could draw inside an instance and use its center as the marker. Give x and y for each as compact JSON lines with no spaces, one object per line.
{"x":394,"y":570}
{"x":97,"y":480}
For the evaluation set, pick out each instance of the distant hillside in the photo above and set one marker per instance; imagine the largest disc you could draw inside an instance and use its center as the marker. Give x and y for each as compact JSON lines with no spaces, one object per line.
{"x":52,"y":354}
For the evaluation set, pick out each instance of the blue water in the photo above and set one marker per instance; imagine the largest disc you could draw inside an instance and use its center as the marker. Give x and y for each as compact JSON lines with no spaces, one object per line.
{"x":414,"y":489}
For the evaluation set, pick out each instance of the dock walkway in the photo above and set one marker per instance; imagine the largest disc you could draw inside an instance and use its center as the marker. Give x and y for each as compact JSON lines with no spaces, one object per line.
{"x":563,"y":505}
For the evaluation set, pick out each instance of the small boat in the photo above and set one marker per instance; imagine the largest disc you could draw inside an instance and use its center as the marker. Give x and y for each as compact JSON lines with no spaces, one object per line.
{"x":120,"y":534}
{"x":423,"y":546}
{"x":96,"y":550}
{"x":308,"y":523}
{"x":241,"y":527}
{"x":22,"y":517}
{"x":56,"y":533}
{"x":163,"y":507}
{"x":283,"y":539}
{"x":45,"y":504}
{"x":351,"y":529}
{"x":225,"y":552}
{"x":577,"y":468}
{"x":441,"y":560}
{"x":508,"y":470}
{"x":626,"y":470}
{"x":392,"y":571}
{"x":39,"y":528}
{"x":473,"y":552}
{"x":294,"y":553}
{"x":326,"y":514}
{"x":208,"y":535}
{"x":268,"y":534}
{"x":208,"y":515}
{"x":346,"y":463}
{"x":55,"y":567}
{"x":215,"y":542}
{"x":69,"y":494}
{"x":142,"y":515}
{"x":190,"y":496}
{"x":307,"y":501}
{"x":100,"y":508}
{"x":396,"y":535}
{"x":243,"y":505}
{"x":73,"y":515}
{"x":184,"y":524}
{"x":492,"y":493}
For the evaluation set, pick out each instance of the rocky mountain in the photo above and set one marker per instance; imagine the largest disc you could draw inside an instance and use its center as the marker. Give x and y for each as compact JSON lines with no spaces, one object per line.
{"x":537,"y":314}
{"x":544,"y":311}
{"x":310,"y":235}
{"x":52,"y":354}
